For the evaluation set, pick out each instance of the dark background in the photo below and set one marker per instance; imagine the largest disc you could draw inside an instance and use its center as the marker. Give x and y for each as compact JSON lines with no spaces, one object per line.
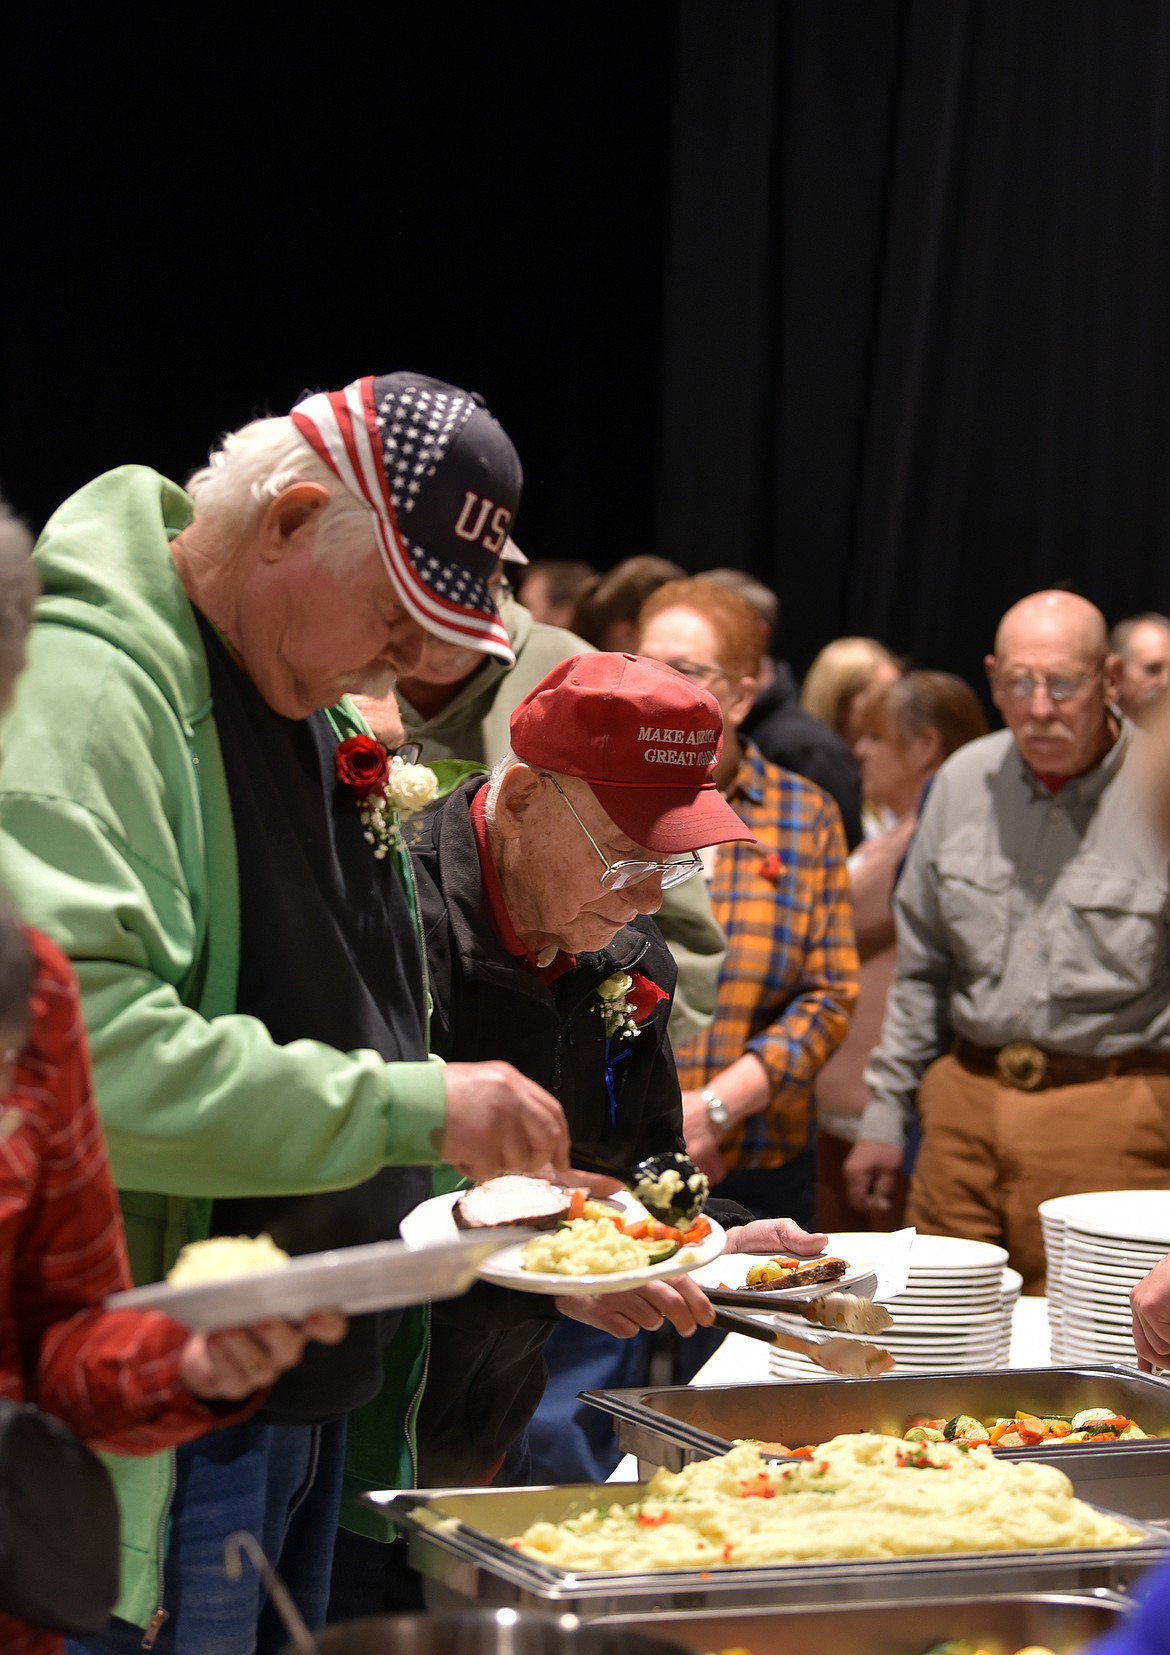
{"x":867,"y":296}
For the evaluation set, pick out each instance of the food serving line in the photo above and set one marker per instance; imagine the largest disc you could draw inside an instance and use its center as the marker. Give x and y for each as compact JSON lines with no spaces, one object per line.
{"x":464,"y":1541}
{"x":1054,"y":1565}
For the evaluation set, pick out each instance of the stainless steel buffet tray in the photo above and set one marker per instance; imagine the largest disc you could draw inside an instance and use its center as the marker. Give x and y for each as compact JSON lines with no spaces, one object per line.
{"x":1062,"y":1622}
{"x":459,"y":1538}
{"x":674,"y":1425}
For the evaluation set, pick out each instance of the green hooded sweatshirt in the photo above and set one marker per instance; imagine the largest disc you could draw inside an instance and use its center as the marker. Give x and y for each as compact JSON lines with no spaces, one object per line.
{"x":116,"y":840}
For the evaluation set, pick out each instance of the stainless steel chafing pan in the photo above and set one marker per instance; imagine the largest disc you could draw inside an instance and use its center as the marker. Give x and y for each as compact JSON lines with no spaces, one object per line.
{"x":488,"y":1632}
{"x":674,"y":1425}
{"x":459,"y":1538}
{"x":1064,"y":1623}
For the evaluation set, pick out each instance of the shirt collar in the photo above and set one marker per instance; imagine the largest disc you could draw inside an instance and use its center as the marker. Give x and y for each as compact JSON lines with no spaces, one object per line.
{"x":1088,"y":787}
{"x":497,"y":909}
{"x":748,"y":781}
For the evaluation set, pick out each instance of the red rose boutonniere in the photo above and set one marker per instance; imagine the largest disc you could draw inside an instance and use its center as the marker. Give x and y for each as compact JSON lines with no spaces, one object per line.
{"x":384,"y":786}
{"x":362,"y":763}
{"x":627,"y":1000}
{"x":771,"y":867}
{"x":644,"y":997}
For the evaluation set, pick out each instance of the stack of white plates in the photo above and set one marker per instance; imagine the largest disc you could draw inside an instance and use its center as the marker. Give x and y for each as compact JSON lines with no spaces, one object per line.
{"x":1099,"y":1246}
{"x":1013,"y":1284}
{"x":956,"y":1312}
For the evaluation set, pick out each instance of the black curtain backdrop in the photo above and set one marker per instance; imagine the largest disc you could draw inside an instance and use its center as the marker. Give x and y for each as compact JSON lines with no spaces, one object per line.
{"x":917,"y":354}
{"x":206,"y":211}
{"x":867,"y":296}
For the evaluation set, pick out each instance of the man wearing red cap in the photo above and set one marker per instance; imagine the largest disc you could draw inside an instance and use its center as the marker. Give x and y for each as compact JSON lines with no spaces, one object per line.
{"x":173,"y":817}
{"x":536,"y":890}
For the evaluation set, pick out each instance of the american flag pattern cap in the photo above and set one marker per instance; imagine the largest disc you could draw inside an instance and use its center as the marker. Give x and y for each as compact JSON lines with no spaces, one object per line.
{"x":443,"y":482}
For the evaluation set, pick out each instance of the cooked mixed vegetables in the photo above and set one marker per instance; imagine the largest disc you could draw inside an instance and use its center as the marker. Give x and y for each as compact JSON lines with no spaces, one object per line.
{"x":594,"y":1239}
{"x":1024,"y":1430}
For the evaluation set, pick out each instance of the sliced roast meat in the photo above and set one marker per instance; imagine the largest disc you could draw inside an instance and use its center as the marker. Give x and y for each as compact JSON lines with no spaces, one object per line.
{"x":805,"y":1275}
{"x":512,"y":1200}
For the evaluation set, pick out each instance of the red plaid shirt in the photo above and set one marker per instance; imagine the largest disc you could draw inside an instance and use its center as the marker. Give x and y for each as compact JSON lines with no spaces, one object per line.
{"x":112,"y":1376}
{"x":789,"y":981}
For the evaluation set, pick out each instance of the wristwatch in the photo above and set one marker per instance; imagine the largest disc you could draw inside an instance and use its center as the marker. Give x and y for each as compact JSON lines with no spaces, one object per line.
{"x":717,"y":1111}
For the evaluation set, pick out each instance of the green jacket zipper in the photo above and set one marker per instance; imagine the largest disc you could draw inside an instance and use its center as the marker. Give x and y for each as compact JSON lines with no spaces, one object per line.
{"x":155,"y":1624}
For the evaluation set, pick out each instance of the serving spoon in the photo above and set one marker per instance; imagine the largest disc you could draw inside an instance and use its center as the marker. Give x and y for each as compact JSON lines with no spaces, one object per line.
{"x":678,"y":1204}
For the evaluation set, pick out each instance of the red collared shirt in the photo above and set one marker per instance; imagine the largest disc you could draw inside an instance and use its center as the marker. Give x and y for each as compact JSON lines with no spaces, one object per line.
{"x":501,"y":922}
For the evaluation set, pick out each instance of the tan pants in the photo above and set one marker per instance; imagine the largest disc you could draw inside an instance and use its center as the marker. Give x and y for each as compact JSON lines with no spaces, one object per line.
{"x":991,"y":1154}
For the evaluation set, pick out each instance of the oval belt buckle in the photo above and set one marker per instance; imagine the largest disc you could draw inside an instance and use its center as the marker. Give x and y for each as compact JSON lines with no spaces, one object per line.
{"x":1022,"y":1065}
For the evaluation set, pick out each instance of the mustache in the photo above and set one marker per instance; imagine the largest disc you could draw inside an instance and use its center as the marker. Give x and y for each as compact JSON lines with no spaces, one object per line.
{"x":1046,"y":732}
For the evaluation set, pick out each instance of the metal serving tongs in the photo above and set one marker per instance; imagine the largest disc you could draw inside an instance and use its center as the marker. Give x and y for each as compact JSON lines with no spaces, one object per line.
{"x":290,"y":1616}
{"x":851,"y":1358}
{"x":842,"y":1312}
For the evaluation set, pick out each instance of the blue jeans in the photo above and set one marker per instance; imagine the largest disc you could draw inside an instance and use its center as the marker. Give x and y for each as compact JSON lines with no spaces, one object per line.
{"x":280,"y":1482}
{"x":567,"y":1441}
{"x":788,"y":1191}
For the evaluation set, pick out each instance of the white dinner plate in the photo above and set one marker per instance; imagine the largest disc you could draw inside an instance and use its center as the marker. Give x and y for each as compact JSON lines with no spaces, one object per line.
{"x":953,"y":1255}
{"x":1134,"y":1215}
{"x":725,"y":1281}
{"x":434,"y":1220}
{"x":384,"y":1275}
{"x":1103,"y":1271}
{"x":913,"y":1320}
{"x":984,"y":1294}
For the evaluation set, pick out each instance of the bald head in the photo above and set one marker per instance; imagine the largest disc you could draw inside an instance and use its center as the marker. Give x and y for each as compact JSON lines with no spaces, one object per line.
{"x":1048,"y":618}
{"x":1143,"y":643}
{"x":1052,"y":678}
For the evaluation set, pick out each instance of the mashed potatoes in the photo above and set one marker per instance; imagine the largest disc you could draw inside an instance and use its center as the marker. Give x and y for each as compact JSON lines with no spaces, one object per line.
{"x":586,"y":1247}
{"x":859,"y":1497}
{"x":224,"y":1256}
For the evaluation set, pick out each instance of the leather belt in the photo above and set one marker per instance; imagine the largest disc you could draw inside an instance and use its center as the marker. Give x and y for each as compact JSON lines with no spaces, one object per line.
{"x":1030,"y":1068}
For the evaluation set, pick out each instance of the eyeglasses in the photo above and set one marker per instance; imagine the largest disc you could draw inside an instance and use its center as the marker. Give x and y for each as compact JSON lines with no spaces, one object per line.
{"x":409,"y":752}
{"x":618,"y":875}
{"x":1058,"y":690}
{"x":696,"y":671}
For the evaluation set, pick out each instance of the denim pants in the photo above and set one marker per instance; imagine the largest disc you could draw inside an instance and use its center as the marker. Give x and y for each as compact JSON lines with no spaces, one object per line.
{"x":788,"y":1191}
{"x":567,"y":1441}
{"x":282,"y":1483}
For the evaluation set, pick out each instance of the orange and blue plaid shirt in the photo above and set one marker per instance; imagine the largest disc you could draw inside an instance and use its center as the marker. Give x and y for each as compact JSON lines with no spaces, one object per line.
{"x":789,"y":981}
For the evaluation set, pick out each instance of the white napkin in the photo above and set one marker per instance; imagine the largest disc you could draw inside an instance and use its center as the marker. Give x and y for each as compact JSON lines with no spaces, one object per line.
{"x":891,"y":1257}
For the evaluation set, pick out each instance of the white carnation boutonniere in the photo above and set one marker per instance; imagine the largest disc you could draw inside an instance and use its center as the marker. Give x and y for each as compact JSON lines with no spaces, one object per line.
{"x":386,"y":789}
{"x":625,"y":1000}
{"x":617,"y":1010}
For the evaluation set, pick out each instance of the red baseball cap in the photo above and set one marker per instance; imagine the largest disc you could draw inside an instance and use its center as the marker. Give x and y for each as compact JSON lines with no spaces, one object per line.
{"x":645,"y":739}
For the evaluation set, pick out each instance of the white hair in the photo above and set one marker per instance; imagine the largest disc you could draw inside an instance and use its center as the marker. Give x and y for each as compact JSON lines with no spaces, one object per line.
{"x":254,"y":465}
{"x":18,"y":595}
{"x":499,"y":771}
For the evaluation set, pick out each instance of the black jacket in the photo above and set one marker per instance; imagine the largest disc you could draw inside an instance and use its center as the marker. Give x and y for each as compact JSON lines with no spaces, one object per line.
{"x":486,"y":1368}
{"x":797,"y":741}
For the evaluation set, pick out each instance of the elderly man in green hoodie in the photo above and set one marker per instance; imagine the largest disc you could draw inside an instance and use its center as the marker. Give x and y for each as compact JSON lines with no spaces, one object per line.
{"x":173,"y":816}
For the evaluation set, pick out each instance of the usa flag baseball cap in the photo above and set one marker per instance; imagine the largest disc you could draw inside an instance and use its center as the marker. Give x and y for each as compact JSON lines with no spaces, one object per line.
{"x":645,"y":738}
{"x":443,"y":482}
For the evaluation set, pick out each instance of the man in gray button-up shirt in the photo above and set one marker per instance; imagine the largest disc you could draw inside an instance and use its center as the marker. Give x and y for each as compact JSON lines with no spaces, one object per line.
{"x":1034,"y":952}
